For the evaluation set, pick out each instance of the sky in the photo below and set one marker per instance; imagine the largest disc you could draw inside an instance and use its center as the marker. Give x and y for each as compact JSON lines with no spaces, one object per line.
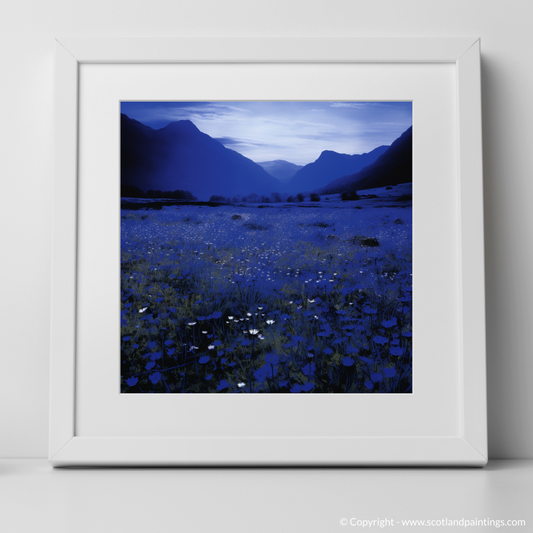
{"x":297,"y":132}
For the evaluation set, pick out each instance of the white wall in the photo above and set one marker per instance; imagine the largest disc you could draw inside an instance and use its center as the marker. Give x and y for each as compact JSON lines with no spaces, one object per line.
{"x":27,"y":32}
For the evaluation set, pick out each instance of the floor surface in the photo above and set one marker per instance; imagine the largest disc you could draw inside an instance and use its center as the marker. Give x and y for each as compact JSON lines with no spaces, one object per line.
{"x":35,"y":498}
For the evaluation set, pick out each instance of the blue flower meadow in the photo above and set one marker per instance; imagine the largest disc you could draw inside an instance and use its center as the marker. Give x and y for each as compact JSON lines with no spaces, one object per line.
{"x":282,"y":299}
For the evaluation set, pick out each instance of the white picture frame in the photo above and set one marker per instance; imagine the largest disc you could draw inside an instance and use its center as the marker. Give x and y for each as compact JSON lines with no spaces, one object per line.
{"x":466,"y":446}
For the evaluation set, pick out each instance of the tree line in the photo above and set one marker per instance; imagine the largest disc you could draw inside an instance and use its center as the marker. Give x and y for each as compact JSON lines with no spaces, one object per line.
{"x":254,"y":198}
{"x":130,"y":191}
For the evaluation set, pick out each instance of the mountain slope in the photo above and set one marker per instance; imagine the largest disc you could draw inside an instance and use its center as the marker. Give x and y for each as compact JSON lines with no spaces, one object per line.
{"x":282,"y":170}
{"x":329,"y":166}
{"x":391,"y":168}
{"x":180,"y":156}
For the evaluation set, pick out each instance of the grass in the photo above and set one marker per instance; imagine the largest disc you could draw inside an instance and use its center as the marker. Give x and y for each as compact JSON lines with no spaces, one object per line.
{"x":241,"y":300}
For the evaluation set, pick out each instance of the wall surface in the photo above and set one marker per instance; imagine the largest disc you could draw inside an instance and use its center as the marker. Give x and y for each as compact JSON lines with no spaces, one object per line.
{"x":27,"y":32}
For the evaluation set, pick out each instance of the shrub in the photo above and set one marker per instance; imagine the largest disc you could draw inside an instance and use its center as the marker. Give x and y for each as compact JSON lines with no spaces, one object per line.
{"x":346,"y":196}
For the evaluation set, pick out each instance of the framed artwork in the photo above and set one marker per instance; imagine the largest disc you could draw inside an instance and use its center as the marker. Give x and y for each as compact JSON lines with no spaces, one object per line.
{"x":268,"y":251}
{"x":264,"y":275}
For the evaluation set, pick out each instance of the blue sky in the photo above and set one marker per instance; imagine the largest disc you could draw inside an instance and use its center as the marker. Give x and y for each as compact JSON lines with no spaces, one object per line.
{"x":294,"y":131}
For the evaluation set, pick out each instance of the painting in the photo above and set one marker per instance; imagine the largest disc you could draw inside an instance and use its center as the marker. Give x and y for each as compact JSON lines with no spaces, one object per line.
{"x":266,"y":247}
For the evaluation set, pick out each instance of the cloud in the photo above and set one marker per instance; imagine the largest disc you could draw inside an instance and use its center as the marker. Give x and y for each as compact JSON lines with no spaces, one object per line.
{"x":228,"y":140}
{"x":363,"y":105}
{"x":293,"y":131}
{"x":356,"y":105}
{"x":232,"y":141}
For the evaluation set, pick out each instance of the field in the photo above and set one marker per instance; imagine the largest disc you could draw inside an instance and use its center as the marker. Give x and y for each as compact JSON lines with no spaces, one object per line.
{"x":282,"y":298}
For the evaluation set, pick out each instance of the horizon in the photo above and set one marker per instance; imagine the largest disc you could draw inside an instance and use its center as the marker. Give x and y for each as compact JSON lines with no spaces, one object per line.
{"x":296,"y":132}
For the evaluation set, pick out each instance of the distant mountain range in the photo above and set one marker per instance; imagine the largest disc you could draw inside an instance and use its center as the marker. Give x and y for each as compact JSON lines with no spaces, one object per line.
{"x":329,"y":166}
{"x":282,"y":170}
{"x":180,"y":156}
{"x":391,"y":168}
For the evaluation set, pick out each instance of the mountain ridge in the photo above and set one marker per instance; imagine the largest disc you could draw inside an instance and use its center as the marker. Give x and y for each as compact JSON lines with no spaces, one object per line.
{"x":280,"y":169}
{"x":180,"y":156}
{"x":393,"y":167}
{"x":330,"y":165}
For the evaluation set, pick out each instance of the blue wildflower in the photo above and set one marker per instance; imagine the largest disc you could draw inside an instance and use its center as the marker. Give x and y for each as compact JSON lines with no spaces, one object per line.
{"x":132,"y":381}
{"x":396,"y":350}
{"x":262,"y":373}
{"x":310,"y":367}
{"x":389,"y":372}
{"x":155,"y":377}
{"x":272,"y":358}
{"x":204,"y":359}
{"x":347,"y":361}
{"x":222,"y":385}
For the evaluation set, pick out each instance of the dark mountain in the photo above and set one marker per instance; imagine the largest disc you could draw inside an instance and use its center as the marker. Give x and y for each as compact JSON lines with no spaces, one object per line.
{"x":180,"y":156}
{"x":391,"y":168}
{"x":282,"y":170}
{"x":329,"y":166}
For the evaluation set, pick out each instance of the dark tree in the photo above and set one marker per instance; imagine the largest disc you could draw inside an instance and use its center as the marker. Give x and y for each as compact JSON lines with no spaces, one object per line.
{"x":253,"y":198}
{"x":300,"y":197}
{"x":219,"y":198}
{"x":314,"y":197}
{"x":276,"y":197}
{"x":345,"y":196}
{"x":290,"y":199}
